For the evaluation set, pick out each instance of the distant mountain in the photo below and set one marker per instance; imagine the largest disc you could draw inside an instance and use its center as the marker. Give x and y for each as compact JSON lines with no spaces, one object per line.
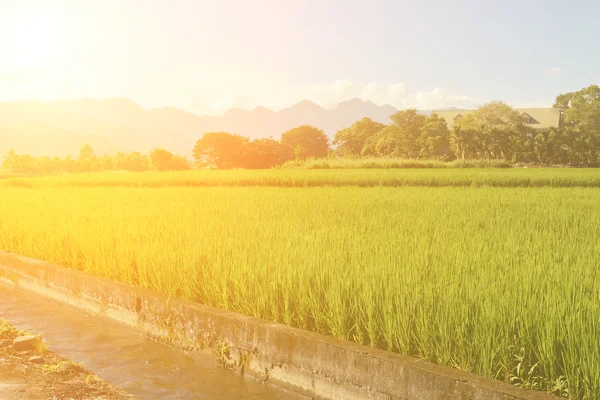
{"x":119,"y":124}
{"x":262,"y":122}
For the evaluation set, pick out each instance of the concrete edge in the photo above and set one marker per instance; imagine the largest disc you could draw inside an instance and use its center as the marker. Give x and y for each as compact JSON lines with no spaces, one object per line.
{"x":307,"y":362}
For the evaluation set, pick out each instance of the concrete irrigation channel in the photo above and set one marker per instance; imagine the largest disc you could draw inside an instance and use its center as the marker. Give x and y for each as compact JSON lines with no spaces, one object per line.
{"x":254,"y":358}
{"x":129,"y":360}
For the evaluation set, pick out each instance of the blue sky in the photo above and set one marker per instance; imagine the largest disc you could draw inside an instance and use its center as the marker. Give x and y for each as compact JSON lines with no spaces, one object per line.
{"x":207,"y":56}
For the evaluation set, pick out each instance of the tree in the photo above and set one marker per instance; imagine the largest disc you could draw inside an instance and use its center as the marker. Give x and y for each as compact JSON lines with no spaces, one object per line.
{"x":220,"y":149}
{"x":86,"y":158}
{"x":462,"y":137}
{"x":20,"y":163}
{"x":161,"y":159}
{"x":350,"y":141}
{"x":434,"y":138}
{"x":400,"y":139}
{"x":584,"y":108}
{"x":69,"y":165}
{"x":306,"y":141}
{"x":548,"y":146}
{"x":581,"y":116}
{"x":9,"y":160}
{"x":137,"y":162}
{"x":104,"y":163}
{"x":265,"y":153}
{"x":563,"y":101}
{"x":179,"y":163}
{"x":120,"y":161}
{"x":386,"y":143}
{"x":409,"y":124}
{"x":494,"y":130}
{"x":48,"y":165}
{"x":131,"y":162}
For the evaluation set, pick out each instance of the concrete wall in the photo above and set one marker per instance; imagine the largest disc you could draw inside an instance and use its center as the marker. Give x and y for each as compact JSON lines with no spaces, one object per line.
{"x":309,"y":363}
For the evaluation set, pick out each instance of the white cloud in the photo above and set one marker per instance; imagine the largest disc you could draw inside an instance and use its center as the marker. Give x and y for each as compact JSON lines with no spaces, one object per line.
{"x":329,"y":94}
{"x":554,"y":71}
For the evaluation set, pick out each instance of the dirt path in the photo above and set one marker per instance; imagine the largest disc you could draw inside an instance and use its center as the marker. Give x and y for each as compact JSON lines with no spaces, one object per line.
{"x":28,"y":371}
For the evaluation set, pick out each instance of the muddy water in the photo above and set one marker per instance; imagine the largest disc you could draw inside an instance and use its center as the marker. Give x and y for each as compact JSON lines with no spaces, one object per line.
{"x":126,"y":359}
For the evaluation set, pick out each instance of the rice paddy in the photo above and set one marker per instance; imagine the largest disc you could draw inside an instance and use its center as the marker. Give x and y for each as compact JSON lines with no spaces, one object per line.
{"x":449,"y":177}
{"x":491,"y":271}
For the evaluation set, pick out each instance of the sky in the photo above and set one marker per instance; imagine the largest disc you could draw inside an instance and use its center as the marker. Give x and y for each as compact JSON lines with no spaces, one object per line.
{"x":208,"y":56}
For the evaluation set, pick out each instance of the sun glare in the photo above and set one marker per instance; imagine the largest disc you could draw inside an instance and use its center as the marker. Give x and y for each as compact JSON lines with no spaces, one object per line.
{"x":32,"y":42}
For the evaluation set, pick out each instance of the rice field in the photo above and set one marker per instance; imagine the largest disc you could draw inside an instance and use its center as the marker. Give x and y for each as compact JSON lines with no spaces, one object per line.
{"x":302,"y":178}
{"x":500,"y":281}
{"x":390,"y":162}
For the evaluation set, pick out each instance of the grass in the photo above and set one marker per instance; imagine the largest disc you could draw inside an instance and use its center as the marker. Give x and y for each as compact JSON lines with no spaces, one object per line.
{"x":502,"y":282}
{"x":8,"y":331}
{"x":41,"y":348}
{"x":385,"y":162}
{"x":67,"y":367}
{"x":472,"y":177}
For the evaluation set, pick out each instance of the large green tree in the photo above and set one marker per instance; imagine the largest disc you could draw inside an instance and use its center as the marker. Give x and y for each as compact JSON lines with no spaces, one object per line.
{"x":163,"y":160}
{"x":584,"y":109}
{"x":399,"y":139}
{"x":265,"y":153}
{"x":131,"y":162}
{"x":20,"y":163}
{"x":220,"y":149}
{"x":434,"y":138}
{"x":581,"y":118}
{"x":87,"y":159}
{"x":306,"y":141}
{"x":492,"y":131}
{"x":350,"y":141}
{"x":409,"y":123}
{"x":385,"y":143}
{"x":9,"y":160}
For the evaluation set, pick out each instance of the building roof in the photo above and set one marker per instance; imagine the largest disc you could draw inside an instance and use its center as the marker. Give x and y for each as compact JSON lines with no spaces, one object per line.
{"x":536,"y":117}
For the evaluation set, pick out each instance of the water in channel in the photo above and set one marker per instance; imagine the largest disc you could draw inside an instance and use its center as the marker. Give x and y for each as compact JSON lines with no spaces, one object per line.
{"x":128,"y":360}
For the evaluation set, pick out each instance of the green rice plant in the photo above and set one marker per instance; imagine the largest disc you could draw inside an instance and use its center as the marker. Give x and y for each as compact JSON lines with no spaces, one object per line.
{"x":389,"y":162}
{"x":501,"y":282}
{"x":303,"y":178}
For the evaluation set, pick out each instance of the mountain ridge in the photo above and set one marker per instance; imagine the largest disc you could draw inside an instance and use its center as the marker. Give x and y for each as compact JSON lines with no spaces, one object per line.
{"x":120,"y":124}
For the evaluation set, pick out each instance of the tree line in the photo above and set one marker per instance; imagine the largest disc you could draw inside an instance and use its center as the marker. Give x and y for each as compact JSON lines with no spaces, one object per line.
{"x":224,"y":150}
{"x":158,"y":160}
{"x":219,"y":150}
{"x":495,"y":131}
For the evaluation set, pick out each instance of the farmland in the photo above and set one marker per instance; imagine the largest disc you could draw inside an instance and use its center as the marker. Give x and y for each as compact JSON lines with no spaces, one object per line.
{"x":493,"y":271}
{"x":421,"y":177}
